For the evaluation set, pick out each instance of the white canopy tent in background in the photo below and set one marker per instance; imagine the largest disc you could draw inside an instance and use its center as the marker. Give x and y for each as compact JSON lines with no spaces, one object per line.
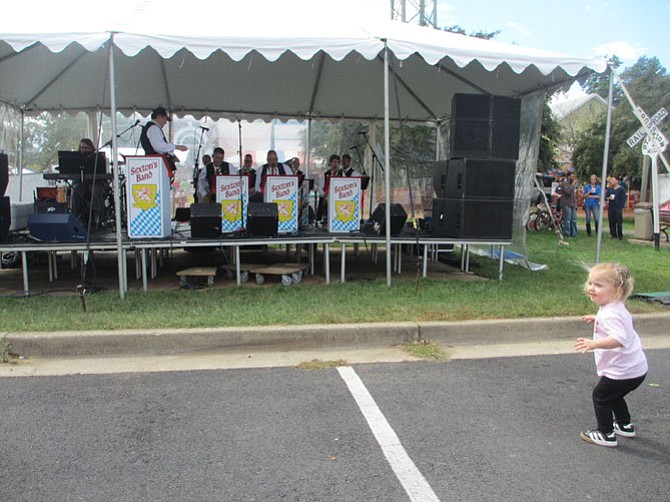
{"x":259,"y":62}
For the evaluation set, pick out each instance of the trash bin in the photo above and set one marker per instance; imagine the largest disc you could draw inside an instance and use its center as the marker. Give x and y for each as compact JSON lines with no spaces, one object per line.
{"x":644,"y":228}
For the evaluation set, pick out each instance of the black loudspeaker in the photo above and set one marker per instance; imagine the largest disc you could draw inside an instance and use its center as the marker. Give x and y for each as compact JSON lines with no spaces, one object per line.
{"x":59,"y":227}
{"x":262,"y":219}
{"x":480,"y":178}
{"x":205,"y":220}
{"x":398,"y":218}
{"x":4,"y":173}
{"x":5,"y":217}
{"x":440,"y":178}
{"x":484,"y":126}
{"x":473,"y":218}
{"x":48,"y":206}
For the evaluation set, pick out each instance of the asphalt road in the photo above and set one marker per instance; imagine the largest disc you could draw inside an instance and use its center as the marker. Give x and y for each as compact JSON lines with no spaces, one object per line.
{"x":487,"y":429}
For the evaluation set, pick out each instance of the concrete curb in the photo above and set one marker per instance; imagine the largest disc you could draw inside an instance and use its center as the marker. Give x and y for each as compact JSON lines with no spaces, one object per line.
{"x":127,"y":342}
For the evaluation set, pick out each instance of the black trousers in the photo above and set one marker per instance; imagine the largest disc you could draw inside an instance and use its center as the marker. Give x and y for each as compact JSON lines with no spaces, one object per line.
{"x":609,"y":403}
{"x":615,"y":218}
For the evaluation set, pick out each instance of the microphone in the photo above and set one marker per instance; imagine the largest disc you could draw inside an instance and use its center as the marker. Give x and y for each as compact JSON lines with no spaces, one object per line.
{"x":361,"y":132}
{"x":136,"y":123}
{"x":204,"y":128}
{"x":353,"y":147}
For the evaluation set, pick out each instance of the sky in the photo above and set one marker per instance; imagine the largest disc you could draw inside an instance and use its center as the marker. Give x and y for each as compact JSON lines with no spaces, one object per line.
{"x":627,"y":28}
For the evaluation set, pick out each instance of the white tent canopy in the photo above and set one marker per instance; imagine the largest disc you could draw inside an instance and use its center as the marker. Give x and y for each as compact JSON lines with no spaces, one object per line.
{"x":265,"y":65}
{"x":262,"y":59}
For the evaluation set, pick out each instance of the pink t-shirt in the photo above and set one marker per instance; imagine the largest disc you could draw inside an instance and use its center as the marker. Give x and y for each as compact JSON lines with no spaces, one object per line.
{"x":627,"y":361}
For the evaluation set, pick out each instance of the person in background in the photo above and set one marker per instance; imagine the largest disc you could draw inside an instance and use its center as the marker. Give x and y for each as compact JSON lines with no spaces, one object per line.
{"x":248,"y":170}
{"x":332,"y":171}
{"x":569,"y":206}
{"x":272,"y":168}
{"x":616,"y":201}
{"x":592,"y":191}
{"x":206,"y":159}
{"x":206,"y":180}
{"x":347,"y":170}
{"x":621,"y":364}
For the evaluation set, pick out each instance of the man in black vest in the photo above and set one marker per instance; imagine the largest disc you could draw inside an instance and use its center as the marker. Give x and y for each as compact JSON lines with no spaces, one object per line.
{"x":347,"y":170}
{"x":272,"y":168}
{"x":153,"y":140}
{"x":206,"y":179}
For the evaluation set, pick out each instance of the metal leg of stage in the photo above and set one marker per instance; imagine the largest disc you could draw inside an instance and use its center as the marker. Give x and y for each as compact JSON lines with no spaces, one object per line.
{"x":51,"y":265}
{"x":326,"y":261}
{"x":145,"y":286}
{"x":24,"y":263}
{"x":467,"y":258}
{"x":343,"y":263}
{"x":425,"y":261}
{"x":501,"y":263}
{"x":398,"y":251}
{"x":238,"y":274}
{"x":310,"y":251}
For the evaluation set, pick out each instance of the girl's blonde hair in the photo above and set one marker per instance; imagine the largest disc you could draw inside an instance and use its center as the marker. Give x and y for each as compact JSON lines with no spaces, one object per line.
{"x":616,"y":274}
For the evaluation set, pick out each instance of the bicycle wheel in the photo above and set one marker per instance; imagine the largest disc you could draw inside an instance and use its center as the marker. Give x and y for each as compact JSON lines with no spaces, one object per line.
{"x":532,"y":222}
{"x":543,"y":221}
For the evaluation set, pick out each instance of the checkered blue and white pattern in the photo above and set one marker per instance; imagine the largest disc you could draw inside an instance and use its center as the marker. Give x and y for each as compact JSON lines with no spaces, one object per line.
{"x":290,"y":225}
{"x":228,"y":226}
{"x":348,"y":226}
{"x":147,"y":223}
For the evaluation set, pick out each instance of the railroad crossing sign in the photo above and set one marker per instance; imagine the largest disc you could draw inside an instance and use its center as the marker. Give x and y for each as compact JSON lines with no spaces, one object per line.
{"x":654,"y":140}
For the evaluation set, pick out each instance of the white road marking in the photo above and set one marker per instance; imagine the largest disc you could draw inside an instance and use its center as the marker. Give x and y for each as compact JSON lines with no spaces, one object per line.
{"x":408,"y":474}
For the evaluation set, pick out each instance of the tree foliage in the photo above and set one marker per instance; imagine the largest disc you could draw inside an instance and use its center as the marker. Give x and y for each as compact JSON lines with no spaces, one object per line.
{"x":649,"y":85}
{"x":550,"y":137}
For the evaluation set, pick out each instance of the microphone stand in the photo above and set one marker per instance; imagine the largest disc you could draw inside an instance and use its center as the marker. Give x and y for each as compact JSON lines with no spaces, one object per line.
{"x":375,"y":162}
{"x":195,"y":166}
{"x":109,"y":143}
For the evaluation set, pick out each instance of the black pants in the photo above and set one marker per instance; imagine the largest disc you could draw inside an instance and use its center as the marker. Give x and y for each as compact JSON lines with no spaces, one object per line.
{"x":609,"y":403}
{"x":615,"y":218}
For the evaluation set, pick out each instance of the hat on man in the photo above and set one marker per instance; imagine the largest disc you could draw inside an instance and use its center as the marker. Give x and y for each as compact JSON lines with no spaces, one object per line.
{"x":161,"y":112}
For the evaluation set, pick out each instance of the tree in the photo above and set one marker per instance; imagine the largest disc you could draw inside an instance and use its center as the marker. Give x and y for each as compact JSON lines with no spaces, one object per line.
{"x":550,"y":137}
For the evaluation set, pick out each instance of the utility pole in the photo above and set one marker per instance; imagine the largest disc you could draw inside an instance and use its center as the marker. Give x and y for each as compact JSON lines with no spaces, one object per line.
{"x":415,"y":11}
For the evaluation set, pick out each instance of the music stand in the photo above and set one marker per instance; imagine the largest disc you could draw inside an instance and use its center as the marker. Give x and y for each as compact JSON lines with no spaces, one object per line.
{"x":76,"y":163}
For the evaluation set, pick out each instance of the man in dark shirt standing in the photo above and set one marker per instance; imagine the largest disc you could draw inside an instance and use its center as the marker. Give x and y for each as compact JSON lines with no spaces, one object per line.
{"x":616,"y":201}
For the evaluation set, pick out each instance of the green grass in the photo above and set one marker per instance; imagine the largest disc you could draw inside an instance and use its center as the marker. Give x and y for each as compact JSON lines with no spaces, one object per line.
{"x":523,"y":293}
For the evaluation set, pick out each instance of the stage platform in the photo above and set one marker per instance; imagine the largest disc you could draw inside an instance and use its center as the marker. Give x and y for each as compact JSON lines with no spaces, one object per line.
{"x":153,"y":258}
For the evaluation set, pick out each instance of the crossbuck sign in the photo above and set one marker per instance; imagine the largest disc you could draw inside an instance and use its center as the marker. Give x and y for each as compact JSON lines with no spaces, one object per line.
{"x":654,"y":142}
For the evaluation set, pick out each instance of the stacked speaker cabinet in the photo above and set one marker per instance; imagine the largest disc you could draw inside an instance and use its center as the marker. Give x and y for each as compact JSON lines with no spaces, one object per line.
{"x":475,"y":188}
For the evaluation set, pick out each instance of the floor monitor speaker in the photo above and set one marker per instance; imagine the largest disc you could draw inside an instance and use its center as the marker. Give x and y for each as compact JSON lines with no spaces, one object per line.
{"x":480,"y":178}
{"x":398,"y":218}
{"x":4,"y":173}
{"x":5,"y":217}
{"x":50,"y":206}
{"x":262,"y":219}
{"x":59,"y":227}
{"x":485,"y":126}
{"x":473,"y":218}
{"x":205,"y":220}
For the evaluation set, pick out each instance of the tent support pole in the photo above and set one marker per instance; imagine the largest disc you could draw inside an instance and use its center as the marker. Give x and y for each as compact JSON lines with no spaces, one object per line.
{"x":603,"y":183}
{"x":117,"y":195}
{"x":21,"y":150}
{"x":308,"y":156}
{"x":387,"y":167}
